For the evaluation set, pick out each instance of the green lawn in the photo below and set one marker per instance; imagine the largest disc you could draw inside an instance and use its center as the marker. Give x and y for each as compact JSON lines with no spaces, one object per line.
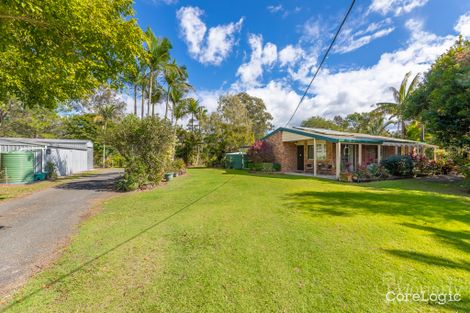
{"x":213,"y":241}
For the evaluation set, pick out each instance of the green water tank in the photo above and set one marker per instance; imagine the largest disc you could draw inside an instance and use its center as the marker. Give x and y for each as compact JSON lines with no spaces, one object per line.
{"x":18,"y":167}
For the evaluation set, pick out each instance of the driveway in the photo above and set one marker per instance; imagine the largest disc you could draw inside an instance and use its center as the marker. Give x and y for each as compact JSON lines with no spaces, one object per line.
{"x":35,"y":227}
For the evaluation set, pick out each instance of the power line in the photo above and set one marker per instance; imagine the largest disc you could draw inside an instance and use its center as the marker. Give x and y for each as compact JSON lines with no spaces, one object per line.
{"x":323,"y":60}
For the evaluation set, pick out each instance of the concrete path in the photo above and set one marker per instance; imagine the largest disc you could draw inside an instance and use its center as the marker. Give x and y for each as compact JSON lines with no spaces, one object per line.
{"x":35,"y":227}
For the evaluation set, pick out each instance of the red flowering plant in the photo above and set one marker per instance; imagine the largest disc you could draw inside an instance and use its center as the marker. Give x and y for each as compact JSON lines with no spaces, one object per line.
{"x":261,"y":151}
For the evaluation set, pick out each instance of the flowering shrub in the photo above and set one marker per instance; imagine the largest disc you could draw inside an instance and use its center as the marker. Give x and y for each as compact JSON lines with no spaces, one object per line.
{"x":370,"y":171}
{"x":399,"y":165}
{"x":261,"y":151}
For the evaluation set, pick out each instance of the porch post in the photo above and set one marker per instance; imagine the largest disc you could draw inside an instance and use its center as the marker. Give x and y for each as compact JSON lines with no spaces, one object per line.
{"x":338,"y":159}
{"x":379,"y":154}
{"x":359,"y":161}
{"x":396,"y":150}
{"x":314,"y":157}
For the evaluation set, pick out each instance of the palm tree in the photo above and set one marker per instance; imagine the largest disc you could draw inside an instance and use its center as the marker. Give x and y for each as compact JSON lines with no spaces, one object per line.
{"x":176,"y":80}
{"x":180,"y":109}
{"x":377,"y":125}
{"x":158,"y":55}
{"x":193,"y":107}
{"x":105,"y":114}
{"x":201,"y":116}
{"x":396,"y":109}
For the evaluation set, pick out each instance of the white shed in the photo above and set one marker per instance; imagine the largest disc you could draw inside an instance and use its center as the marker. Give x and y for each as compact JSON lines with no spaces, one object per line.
{"x":69,"y":155}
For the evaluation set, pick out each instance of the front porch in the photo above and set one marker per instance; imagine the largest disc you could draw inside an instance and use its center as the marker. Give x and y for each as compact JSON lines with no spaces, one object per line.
{"x":326,"y":152}
{"x":319,"y":157}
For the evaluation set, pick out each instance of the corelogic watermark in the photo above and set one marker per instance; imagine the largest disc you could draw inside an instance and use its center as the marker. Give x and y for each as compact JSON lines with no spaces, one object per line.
{"x":437,"y":297}
{"x":398,"y":291}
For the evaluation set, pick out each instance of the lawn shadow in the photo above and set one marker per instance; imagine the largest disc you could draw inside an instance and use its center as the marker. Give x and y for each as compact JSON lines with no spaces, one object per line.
{"x":429,"y":207}
{"x":429,"y":259}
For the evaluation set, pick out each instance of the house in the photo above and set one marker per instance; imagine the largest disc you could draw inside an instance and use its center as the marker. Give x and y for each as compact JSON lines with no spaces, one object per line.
{"x":69,"y":155}
{"x":316,"y":150}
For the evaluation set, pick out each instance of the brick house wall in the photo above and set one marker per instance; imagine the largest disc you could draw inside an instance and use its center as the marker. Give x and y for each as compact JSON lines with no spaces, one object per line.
{"x":285,"y":153}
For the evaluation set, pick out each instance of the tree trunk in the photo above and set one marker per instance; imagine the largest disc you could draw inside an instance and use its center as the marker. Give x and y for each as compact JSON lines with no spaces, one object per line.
{"x":167,"y":101}
{"x":135,"y":99}
{"x":422,"y":132}
{"x":104,"y":155}
{"x":403,"y":130}
{"x":143,"y":101}
{"x":150,"y":93}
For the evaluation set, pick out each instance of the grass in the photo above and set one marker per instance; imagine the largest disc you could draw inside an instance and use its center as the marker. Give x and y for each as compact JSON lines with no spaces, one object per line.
{"x":11,"y":191}
{"x":214,"y":241}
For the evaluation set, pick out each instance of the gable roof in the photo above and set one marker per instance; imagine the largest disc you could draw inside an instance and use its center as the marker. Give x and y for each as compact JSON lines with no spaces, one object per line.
{"x":346,"y":137}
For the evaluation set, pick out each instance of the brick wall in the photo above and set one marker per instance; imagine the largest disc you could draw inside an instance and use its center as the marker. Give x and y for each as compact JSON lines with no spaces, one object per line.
{"x":285,"y":153}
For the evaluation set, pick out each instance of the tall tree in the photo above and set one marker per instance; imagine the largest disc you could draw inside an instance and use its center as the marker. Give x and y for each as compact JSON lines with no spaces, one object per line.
{"x":53,"y":51}
{"x":193,"y":108}
{"x":260,"y":117}
{"x":442,"y":101}
{"x":105,"y":114}
{"x":396,"y":109}
{"x":158,"y":55}
{"x":176,"y":79}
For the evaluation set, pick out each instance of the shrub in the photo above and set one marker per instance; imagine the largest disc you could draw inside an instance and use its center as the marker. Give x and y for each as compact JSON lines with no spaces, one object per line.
{"x":178,"y":166}
{"x":146,"y":146}
{"x":398,"y":165}
{"x":127,"y":183}
{"x":51,"y":170}
{"x":261,"y":151}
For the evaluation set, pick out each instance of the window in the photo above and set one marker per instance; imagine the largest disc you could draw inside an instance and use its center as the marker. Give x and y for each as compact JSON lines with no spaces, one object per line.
{"x":310,"y":152}
{"x":321,"y":151}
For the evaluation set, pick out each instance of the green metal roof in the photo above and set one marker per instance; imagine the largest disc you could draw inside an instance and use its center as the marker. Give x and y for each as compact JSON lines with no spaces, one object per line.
{"x":337,"y":136}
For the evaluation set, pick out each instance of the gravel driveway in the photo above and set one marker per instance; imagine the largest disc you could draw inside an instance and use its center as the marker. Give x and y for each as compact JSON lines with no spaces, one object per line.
{"x":33,"y":228}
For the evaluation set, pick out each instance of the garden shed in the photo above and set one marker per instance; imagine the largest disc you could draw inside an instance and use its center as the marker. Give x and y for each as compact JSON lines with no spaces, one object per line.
{"x":69,"y":155}
{"x":235,"y":160}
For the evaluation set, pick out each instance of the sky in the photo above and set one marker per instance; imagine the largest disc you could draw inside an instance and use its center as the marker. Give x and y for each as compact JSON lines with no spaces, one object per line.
{"x":270,"y":49}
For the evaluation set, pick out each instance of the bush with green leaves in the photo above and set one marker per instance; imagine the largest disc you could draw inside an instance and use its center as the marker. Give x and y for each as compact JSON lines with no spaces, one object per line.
{"x":398,"y":165}
{"x":146,"y":146}
{"x":51,"y":170}
{"x":178,"y":166}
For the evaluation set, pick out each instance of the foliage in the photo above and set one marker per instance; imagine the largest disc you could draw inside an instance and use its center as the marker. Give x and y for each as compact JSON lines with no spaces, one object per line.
{"x":261,"y":151}
{"x":261,"y":119}
{"x":321,"y":122}
{"x":34,"y":122}
{"x":442,"y":101}
{"x":53,"y":51}
{"x":398,"y":165}
{"x":397,"y":109}
{"x":373,"y":123}
{"x":51,"y":170}
{"x":127,"y":183}
{"x":145,"y":146}
{"x":178,"y":166}
{"x":227,"y":129}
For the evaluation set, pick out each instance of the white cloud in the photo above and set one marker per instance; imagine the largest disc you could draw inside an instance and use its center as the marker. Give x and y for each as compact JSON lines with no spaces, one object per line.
{"x":354,"y":90}
{"x":290,"y":55}
{"x":274,"y":8}
{"x":396,"y":7}
{"x":210,"y":49}
{"x":463,"y":25}
{"x":352,"y":41}
{"x":311,"y":30}
{"x":251,"y":71}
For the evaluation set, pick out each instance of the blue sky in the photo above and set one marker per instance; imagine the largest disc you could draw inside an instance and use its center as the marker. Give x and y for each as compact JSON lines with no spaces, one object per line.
{"x":271,"y":48}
